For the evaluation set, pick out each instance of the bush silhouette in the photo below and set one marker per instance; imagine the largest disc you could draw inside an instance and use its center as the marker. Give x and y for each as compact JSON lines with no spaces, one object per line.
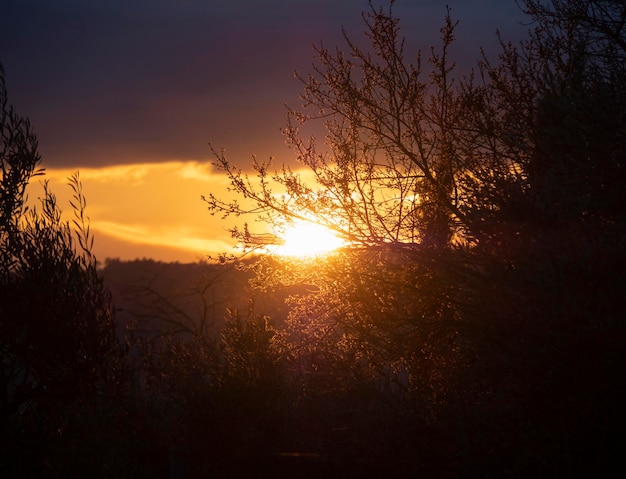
{"x":59,"y":345}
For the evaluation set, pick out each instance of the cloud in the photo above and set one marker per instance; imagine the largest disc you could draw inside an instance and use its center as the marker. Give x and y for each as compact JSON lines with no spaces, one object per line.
{"x":132,"y":174}
{"x":194,"y":170}
{"x":137,"y":174}
{"x":154,"y":205}
{"x":162,"y":236}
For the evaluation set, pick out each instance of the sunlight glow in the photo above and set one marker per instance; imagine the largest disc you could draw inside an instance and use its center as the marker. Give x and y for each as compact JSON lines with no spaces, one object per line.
{"x":307,"y":239}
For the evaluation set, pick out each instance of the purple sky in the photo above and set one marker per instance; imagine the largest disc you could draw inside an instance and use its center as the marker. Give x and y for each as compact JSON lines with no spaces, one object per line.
{"x":124,"y":81}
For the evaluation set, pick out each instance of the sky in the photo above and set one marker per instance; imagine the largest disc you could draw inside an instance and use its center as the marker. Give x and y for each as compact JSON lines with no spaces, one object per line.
{"x":130,"y":93}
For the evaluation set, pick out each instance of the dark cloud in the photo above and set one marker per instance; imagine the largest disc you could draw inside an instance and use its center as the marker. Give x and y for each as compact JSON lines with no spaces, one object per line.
{"x":121,"y":81}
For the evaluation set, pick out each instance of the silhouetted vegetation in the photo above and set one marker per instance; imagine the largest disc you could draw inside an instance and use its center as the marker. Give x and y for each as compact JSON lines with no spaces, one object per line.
{"x":487,"y":257}
{"x":58,"y":344}
{"x":473,"y":327}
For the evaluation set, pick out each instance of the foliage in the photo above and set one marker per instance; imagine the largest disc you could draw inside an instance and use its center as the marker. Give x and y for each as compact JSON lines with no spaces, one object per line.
{"x":59,"y":344}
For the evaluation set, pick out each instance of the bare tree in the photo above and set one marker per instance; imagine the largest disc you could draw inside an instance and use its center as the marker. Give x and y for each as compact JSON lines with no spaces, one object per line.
{"x":387,"y":171}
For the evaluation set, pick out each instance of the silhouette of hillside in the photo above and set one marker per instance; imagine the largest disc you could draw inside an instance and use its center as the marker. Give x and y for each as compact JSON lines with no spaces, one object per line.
{"x":156,"y":297}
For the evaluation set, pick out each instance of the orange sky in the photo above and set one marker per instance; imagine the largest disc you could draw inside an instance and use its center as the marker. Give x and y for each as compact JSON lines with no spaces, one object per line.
{"x":150,"y":210}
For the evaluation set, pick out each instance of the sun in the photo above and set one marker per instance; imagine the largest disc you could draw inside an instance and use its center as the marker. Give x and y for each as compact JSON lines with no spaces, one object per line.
{"x":306,"y":239}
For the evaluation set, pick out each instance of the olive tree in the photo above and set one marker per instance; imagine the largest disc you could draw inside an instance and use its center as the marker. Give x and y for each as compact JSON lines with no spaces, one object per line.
{"x":57,"y":325}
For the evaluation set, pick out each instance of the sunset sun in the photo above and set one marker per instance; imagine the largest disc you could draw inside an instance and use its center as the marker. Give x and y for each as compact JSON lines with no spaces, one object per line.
{"x":307,"y":239}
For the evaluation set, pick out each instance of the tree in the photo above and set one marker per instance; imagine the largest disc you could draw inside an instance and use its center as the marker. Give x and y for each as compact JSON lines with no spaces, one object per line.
{"x":422,"y":155}
{"x":57,"y":325}
{"x":402,"y":178}
{"x":554,"y":106}
{"x":482,"y":212}
{"x":388,"y":173}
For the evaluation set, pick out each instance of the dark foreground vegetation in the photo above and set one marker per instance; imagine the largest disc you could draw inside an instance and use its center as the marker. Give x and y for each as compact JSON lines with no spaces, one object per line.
{"x":474,"y":328}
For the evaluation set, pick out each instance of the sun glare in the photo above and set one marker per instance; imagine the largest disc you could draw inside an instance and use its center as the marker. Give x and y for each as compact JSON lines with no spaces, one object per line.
{"x":307,"y":239}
